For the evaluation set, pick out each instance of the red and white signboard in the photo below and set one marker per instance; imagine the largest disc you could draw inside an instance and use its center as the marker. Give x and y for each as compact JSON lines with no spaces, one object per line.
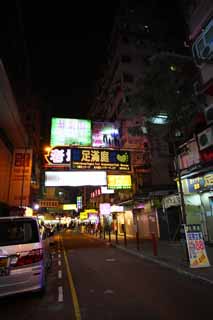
{"x":21,"y":177}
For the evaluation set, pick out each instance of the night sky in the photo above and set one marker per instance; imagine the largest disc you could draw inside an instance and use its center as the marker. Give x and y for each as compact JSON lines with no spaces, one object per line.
{"x":56,"y":50}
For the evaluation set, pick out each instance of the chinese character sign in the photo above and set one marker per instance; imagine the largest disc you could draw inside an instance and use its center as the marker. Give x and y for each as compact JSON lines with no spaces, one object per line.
{"x":21,"y":177}
{"x":119,"y":181}
{"x":70,"y":132}
{"x":83,"y":158}
{"x":196,"y":246}
{"x":79,"y":202}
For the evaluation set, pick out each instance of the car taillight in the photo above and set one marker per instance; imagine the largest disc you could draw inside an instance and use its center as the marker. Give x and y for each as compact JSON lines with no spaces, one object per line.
{"x":31,"y":257}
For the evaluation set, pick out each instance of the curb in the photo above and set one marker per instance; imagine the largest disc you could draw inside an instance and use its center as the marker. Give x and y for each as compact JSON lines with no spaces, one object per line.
{"x":166,"y":265}
{"x":154,"y":260}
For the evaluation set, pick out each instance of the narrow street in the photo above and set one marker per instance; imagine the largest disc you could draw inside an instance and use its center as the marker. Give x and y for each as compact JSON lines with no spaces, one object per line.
{"x":109,"y":284}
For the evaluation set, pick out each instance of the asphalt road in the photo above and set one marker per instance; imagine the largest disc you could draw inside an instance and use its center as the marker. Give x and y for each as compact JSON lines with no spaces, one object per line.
{"x":95,"y":281}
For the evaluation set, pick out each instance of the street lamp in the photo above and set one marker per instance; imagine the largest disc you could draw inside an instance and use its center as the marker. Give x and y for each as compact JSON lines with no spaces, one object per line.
{"x":47,"y":148}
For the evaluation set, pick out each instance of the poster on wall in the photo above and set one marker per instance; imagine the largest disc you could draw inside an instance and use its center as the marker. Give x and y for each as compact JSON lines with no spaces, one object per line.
{"x":196,"y":247}
{"x":21,"y":178}
{"x":106,"y":134}
{"x":66,"y":132}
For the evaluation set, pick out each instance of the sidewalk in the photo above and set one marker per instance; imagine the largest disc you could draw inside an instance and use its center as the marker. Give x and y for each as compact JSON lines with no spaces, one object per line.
{"x":170,"y":254}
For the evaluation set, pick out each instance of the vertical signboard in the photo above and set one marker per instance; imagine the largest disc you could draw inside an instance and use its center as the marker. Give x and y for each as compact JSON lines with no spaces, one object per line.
{"x":196,"y":246}
{"x":79,"y":202}
{"x":20,"y":178}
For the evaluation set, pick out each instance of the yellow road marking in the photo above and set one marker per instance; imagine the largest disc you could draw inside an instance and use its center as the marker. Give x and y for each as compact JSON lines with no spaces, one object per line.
{"x":71,"y":285}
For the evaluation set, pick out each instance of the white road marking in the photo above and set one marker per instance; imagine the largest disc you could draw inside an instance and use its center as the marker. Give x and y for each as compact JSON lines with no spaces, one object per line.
{"x":59,"y":256}
{"x":60,"y":294}
{"x":59,"y":263}
{"x":110,"y":260}
{"x":108,"y":291}
{"x":59,"y":274}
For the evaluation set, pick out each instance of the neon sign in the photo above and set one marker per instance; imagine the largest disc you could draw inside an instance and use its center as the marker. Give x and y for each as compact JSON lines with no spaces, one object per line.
{"x":70,"y":132}
{"x":87,"y":158}
{"x":119,"y":182}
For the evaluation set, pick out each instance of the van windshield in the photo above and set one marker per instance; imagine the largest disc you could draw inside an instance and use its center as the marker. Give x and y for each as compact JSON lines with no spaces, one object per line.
{"x":18,"y":232}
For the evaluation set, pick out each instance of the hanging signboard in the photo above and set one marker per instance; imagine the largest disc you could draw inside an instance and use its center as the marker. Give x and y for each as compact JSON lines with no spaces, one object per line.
{"x":119,"y":181}
{"x":79,"y":202}
{"x":75,"y":178}
{"x":106,"y":134}
{"x":71,"y":206}
{"x":70,"y":132}
{"x":104,"y":209}
{"x":87,"y":158}
{"x":83,"y":215}
{"x":48,"y":204}
{"x":196,"y":247}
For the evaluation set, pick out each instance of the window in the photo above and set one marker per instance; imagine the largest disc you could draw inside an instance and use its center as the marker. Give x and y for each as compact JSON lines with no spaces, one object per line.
{"x":19,"y":231}
{"x":128,"y":77}
{"x":200,"y":45}
{"x":125,"y":39}
{"x":126,"y":59}
{"x":209,"y":35}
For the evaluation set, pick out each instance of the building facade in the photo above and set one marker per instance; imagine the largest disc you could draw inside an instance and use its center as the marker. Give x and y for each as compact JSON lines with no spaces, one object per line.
{"x":13,"y":137}
{"x":135,"y":39}
{"x":196,"y":155}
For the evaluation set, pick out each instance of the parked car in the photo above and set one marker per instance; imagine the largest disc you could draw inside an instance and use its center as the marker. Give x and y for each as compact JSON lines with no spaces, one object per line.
{"x":24,"y":256}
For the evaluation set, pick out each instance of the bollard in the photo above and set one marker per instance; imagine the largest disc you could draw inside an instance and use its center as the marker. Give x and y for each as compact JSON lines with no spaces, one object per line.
{"x":116,"y":236}
{"x":154,"y":244}
{"x":109,"y":236}
{"x":125,"y":242}
{"x":137,"y":240}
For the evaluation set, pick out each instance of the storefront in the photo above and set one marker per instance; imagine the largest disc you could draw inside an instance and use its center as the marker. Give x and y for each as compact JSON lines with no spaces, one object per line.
{"x":141,"y":217}
{"x":198,"y":198}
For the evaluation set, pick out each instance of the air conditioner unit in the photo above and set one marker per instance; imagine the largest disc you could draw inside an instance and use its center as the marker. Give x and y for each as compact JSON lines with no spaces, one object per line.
{"x":209,"y":114}
{"x":202,"y":48}
{"x":205,"y":138}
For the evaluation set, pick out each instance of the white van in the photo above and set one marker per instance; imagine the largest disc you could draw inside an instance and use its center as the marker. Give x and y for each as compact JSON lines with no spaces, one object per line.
{"x":24,"y":256}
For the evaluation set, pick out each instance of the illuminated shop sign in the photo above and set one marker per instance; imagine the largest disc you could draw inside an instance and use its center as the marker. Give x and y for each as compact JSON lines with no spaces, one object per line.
{"x":66,"y":132}
{"x":86,"y":158}
{"x":79,"y":202}
{"x":83,"y":215}
{"x":199,"y":183}
{"x":48,"y":203}
{"x":115,"y":208}
{"x":119,"y":182}
{"x":106,"y":134}
{"x":104,"y":190}
{"x":71,"y":206}
{"x":104,"y":209}
{"x":75,"y":178}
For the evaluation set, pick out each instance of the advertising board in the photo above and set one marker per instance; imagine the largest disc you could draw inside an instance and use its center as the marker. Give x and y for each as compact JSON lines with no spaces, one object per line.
{"x":66,"y":132}
{"x":88,"y":158}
